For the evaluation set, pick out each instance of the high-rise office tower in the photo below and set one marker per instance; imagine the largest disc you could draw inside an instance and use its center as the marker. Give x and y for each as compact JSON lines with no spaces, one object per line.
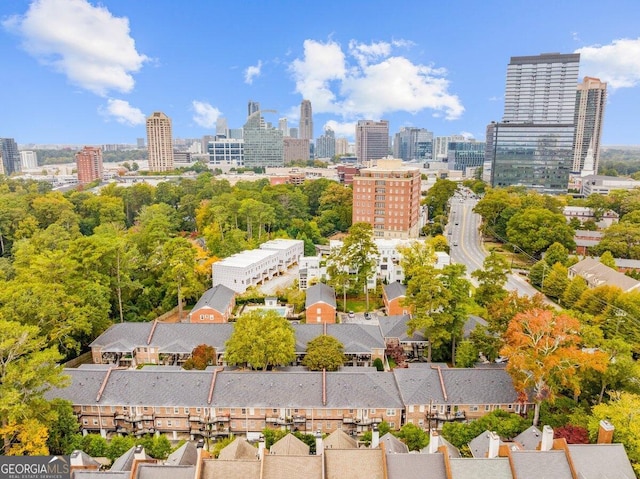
{"x":413,"y":144}
{"x":283,"y":126}
{"x":342,"y":146}
{"x":252,"y":107}
{"x":263,"y":146}
{"x":441,"y":146}
{"x":372,"y":140}
{"x":295,"y":149}
{"x":28,"y":160}
{"x":533,"y":145}
{"x":89,"y":164}
{"x":305,"y":130}
{"x":387,"y":196}
{"x":222,"y":129}
{"x":10,"y":156}
{"x":326,"y":144}
{"x":159,"y":142}
{"x":591,"y":98}
{"x":465,"y":154}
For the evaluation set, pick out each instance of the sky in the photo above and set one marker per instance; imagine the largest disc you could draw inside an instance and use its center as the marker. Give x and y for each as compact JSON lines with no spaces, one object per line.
{"x":88,"y":72}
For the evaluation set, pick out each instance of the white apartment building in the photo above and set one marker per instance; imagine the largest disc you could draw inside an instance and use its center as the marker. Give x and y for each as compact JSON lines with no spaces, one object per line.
{"x":252,"y":267}
{"x":312,"y":268}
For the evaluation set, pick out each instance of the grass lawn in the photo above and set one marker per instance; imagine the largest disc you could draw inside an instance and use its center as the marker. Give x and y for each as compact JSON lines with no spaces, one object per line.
{"x":518,"y":261}
{"x":359,"y":305}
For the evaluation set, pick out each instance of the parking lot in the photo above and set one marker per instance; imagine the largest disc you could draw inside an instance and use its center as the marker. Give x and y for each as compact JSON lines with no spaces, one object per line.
{"x":359,"y":318}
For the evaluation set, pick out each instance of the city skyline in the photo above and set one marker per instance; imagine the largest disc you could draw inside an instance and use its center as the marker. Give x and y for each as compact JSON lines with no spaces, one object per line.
{"x":115,"y":65}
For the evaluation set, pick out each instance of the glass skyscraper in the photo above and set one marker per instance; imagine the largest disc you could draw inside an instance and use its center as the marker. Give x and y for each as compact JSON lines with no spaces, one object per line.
{"x":10,"y":156}
{"x":533,"y":145}
{"x":263,"y":145}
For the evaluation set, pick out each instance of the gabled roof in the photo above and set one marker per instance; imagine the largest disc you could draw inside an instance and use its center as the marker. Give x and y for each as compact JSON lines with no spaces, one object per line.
{"x":230,"y":469}
{"x":468,"y":468}
{"x":529,"y":439}
{"x":125,"y":462}
{"x":479,"y":445}
{"x":354,"y":464}
{"x":320,"y":293}
{"x":598,"y":274}
{"x":393,"y":445}
{"x":157,"y":471}
{"x":600,"y":461}
{"x":415,"y":466}
{"x":290,"y":446}
{"x":81,"y":458}
{"x":396,"y":327}
{"x":540,"y":464}
{"x":217,"y":298}
{"x":184,"y":337}
{"x":471,"y":324}
{"x":395,"y":290}
{"x":356,"y":338}
{"x":239,"y":449}
{"x":123,"y":337}
{"x":285,"y":467}
{"x":185,"y":455}
{"x":339,"y":439}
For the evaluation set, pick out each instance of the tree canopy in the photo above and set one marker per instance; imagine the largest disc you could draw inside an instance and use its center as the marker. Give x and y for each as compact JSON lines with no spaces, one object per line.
{"x":324,"y":352}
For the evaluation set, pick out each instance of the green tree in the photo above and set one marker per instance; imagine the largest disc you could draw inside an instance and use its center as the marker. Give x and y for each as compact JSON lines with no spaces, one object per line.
{"x":64,"y":435}
{"x":573,"y":292}
{"x":556,"y":282}
{"x":454,"y":281}
{"x":622,"y":412}
{"x":556,"y":253}
{"x":467,"y":354}
{"x":622,"y":240}
{"x":414,"y":437}
{"x":607,"y":259}
{"x":28,"y":368}
{"x":535,"y":229}
{"x":505,"y":424}
{"x":118,"y":445}
{"x":176,"y":264}
{"x":261,"y":339}
{"x":95,"y":445}
{"x":360,"y":253}
{"x":491,"y":278}
{"x":324,"y":352}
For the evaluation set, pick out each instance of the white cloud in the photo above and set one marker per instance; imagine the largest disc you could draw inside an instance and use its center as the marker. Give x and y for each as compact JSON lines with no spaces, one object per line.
{"x":575,"y":36}
{"x":252,"y":72}
{"x":205,"y":115}
{"x":88,"y":44}
{"x":123,"y":113}
{"x":467,"y":135}
{"x":368,"y":82}
{"x":495,"y":98}
{"x":617,"y":63}
{"x":346,"y":129}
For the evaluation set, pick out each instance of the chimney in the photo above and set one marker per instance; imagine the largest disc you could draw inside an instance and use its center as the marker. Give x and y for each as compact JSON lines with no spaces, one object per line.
{"x":138,"y":453}
{"x":434,"y":441}
{"x":375,"y":437}
{"x":494,"y":445}
{"x":546,"y":444}
{"x":605,"y":432}
{"x":319,"y":446}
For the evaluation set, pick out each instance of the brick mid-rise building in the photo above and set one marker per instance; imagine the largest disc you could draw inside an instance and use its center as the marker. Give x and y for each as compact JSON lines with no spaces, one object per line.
{"x":89,"y":164}
{"x":388,"y":197}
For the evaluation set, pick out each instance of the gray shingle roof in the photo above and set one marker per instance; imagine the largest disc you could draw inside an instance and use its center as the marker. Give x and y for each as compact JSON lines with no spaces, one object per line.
{"x":529,"y":438}
{"x":184,"y":337}
{"x":395,"y":290}
{"x":496,"y":468}
{"x":416,"y":466}
{"x":286,"y":467}
{"x":81,"y":458}
{"x":462,"y":386}
{"x":290,"y":445}
{"x":151,"y":471}
{"x":123,"y":337}
{"x":601,"y":461}
{"x":217,"y":298}
{"x":396,"y":327}
{"x":479,"y":445}
{"x":362,"y":390}
{"x":597,"y":274}
{"x":471,"y":324}
{"x":356,"y":338}
{"x":393,"y":445}
{"x":541,"y":465}
{"x":125,"y":462}
{"x":185,"y":455}
{"x":320,"y":293}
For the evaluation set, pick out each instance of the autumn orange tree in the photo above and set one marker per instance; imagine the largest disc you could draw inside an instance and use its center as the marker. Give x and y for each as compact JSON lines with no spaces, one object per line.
{"x":544,"y":355}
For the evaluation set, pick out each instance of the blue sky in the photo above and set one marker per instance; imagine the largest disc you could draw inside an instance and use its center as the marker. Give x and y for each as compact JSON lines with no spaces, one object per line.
{"x":83,"y":72}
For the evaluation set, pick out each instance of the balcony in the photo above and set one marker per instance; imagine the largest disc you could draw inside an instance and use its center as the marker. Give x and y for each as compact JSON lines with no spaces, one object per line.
{"x":195,"y":418}
{"x":299,"y":419}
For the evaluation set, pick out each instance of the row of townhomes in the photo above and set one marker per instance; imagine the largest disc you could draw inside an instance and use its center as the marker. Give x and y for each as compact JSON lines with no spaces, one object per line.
{"x":217,"y":402}
{"x":534,"y":454}
{"x":171,"y":344}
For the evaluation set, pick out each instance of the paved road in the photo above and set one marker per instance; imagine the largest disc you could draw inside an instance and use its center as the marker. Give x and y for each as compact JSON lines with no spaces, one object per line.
{"x":466,"y":243}
{"x":271,"y":286}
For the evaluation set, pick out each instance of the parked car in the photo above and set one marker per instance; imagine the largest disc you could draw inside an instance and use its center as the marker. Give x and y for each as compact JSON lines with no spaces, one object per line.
{"x":351,"y":314}
{"x":367,"y":315}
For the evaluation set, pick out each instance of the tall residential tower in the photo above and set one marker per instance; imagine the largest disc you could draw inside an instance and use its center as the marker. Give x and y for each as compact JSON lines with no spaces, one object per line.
{"x":159,"y":142}
{"x":305,"y":131}
{"x":590,"y":102}
{"x":533,"y":145}
{"x":10,"y":156}
{"x":372,"y":140}
{"x":89,"y":164}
